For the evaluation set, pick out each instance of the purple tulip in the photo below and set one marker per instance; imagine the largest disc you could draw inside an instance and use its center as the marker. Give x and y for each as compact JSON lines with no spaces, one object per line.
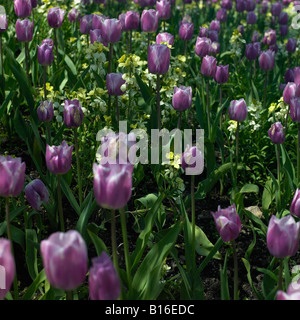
{"x":228,"y":223}
{"x":226,"y":4}
{"x":112,"y":184}
{"x":163,"y":7}
{"x":255,"y":36}
{"x":55,"y":17}
{"x":186,"y":31}
{"x":182,"y":98}
{"x":267,"y":60}
{"x":34,"y":3}
{"x":283,"y":30}
{"x":251,"y":17}
{"x":131,"y":21}
{"x":295,"y":109}
{"x":293,"y":292}
{"x":238,"y":110}
{"x":215,"y":26}
{"x":250,"y":5}
{"x":104,"y":282}
{"x":36,"y":193}
{"x":59,"y":158}
{"x":111,"y":30}
{"x":264,"y":7}
{"x":241,"y":29}
{"x":45,"y":111}
{"x":97,"y":21}
{"x":7,"y":264}
{"x":203,"y":32}
{"x":276,"y":133}
{"x":65,"y":259}
{"x":3,"y":23}
{"x":22,"y":8}
{"x":73,"y":15}
{"x":283,"y":236}
{"x":214,"y":48}
{"x":251,"y":51}
{"x":295,"y":205}
{"x":291,"y":45}
{"x":221,"y":15}
{"x":165,"y":37}
{"x":203,"y":46}
{"x":95,"y":36}
{"x":240,"y":5}
{"x":149,"y":20}
{"x":213,"y":35}
{"x":289,"y":76}
{"x":269,"y":37}
{"x":158,"y":58}
{"x":208,"y":66}
{"x":114,"y":82}
{"x":12,"y":176}
{"x":48,"y":41}
{"x":86,"y":24}
{"x":276,"y":9}
{"x":283,"y":18}
{"x":73,"y":114}
{"x":222,"y":74}
{"x":291,"y":90}
{"x":192,"y":160}
{"x":296,"y":71}
{"x":45,"y":55}
{"x":24,"y":30}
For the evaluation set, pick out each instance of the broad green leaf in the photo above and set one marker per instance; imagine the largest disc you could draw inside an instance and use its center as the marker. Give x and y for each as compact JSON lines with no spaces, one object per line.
{"x":41,"y":277}
{"x":31,"y":252}
{"x":98,"y":242}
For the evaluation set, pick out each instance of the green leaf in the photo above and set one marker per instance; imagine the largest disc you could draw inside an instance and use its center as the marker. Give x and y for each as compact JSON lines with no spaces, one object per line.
{"x":248,"y":268}
{"x":224,"y":281}
{"x":70,"y":65}
{"x":268,"y":195}
{"x":31,"y":252}
{"x":41,"y":277}
{"x":70,"y":196}
{"x":145,"y":90}
{"x":249,"y":188}
{"x":98,"y":243}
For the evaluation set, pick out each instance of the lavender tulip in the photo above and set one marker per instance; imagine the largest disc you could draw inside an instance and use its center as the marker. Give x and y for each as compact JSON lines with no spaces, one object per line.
{"x":149,"y":20}
{"x":182,"y":98}
{"x":208,"y":66}
{"x":24,"y":30}
{"x":186,"y":31}
{"x":238,"y":110}
{"x":295,"y":205}
{"x":276,"y":133}
{"x":293,"y":292}
{"x":7,"y":263}
{"x":12,"y":176}
{"x":59,"y":158}
{"x":228,"y":223}
{"x":22,"y":8}
{"x":213,"y":35}
{"x":222,"y":74}
{"x":158,"y":58}
{"x":55,"y":17}
{"x":165,"y":37}
{"x":296,"y":71}
{"x":255,"y":36}
{"x":226,"y":4}
{"x":295,"y":109}
{"x":131,"y":20}
{"x":203,"y":46}
{"x":45,"y":111}
{"x":65,"y":259}
{"x":163,"y":7}
{"x":203,"y":32}
{"x":111,"y":30}
{"x":3,"y":23}
{"x":86,"y":24}
{"x":221,"y":15}
{"x":45,"y":55}
{"x":215,"y":26}
{"x":48,"y":41}
{"x":291,"y":90}
{"x":267,"y":60}
{"x":283,"y":236}
{"x":241,"y":29}
{"x":291,"y":45}
{"x":36,"y":193}
{"x":73,"y":114}
{"x":192,"y":160}
{"x":104,"y":282}
{"x":97,"y":21}
{"x":73,"y":15}
{"x":95,"y":36}
{"x":114,"y":83}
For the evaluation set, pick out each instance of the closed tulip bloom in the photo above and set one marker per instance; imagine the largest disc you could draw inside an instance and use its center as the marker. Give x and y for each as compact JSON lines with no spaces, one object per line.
{"x":158,"y":58}
{"x":34,"y":3}
{"x":22,"y":8}
{"x":240,"y":5}
{"x":269,"y":37}
{"x":111,"y":30}
{"x":250,"y":5}
{"x":8,"y":263}
{"x":283,"y":30}
{"x":276,"y":9}
{"x":95,"y":36}
{"x":73,"y":15}
{"x":45,"y":55}
{"x":222,"y":74}
{"x":203,"y":32}
{"x":104,"y":282}
{"x":213,"y":35}
{"x":24,"y":30}
{"x":283,"y":18}
{"x":45,"y":111}
{"x":251,"y":52}
{"x":291,"y":45}
{"x":149,"y":20}
{"x":228,"y":223}
{"x":3,"y":22}
{"x":59,"y":158}
{"x":290,"y":91}
{"x":65,"y":259}
{"x":238,"y":110}
{"x":73,"y":114}
{"x":296,"y":71}
{"x":255,"y":36}
{"x":215,"y":26}
{"x":186,"y":31}
{"x":226,"y":4}
{"x":36,"y":193}
{"x":12,"y":176}
{"x":86,"y":24}
{"x":131,"y":20}
{"x":276,"y":133}
{"x":163,"y":7}
{"x":182,"y":98}
{"x":264,"y":7}
{"x":295,"y":205}
{"x":293,"y":292}
{"x":289,"y":76}
{"x":208,"y":66}
{"x":114,"y":83}
{"x":221,"y":15}
{"x":283,"y":236}
{"x":165,"y":37}
{"x":112,"y":184}
{"x":267,"y":60}
{"x":97,"y":21}
{"x":214,"y":48}
{"x":251,"y":17}
{"x":192,"y":160}
{"x":48,"y":41}
{"x":295,"y":109}
{"x":55,"y":17}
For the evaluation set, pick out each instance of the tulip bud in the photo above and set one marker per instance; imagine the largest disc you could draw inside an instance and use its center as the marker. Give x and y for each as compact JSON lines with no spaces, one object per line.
{"x":86,"y":24}
{"x":182,"y":98}
{"x":73,"y":15}
{"x":251,"y":17}
{"x":3,"y":23}
{"x":59,"y":158}
{"x":95,"y":36}
{"x":65,"y":259}
{"x":276,"y":133}
{"x":222,"y":74}
{"x":34,"y":3}
{"x":295,"y":109}
{"x":55,"y":17}
{"x":264,"y":7}
{"x":8,"y":263}
{"x":163,"y":7}
{"x":276,"y":9}
{"x":114,"y":82}
{"x":149,"y":20}
{"x":238,"y":110}
{"x":186,"y":31}
{"x":283,"y":18}
{"x":208,"y":66}
{"x":269,"y":37}
{"x":104,"y":282}
{"x":73,"y":114}
{"x":45,"y":111}
{"x":291,"y":45}
{"x":192,"y":160}
{"x":296,"y":71}
{"x":267,"y":60}
{"x":45,"y":55}
{"x":97,"y":21}
{"x":283,"y":30}
{"x":111,"y":30}
{"x":250,"y":5}
{"x":131,"y":20}
{"x":165,"y":37}
{"x":251,"y":52}
{"x":112,"y":184}
{"x":215,"y":26}
{"x":226,"y":4}
{"x":24,"y":30}
{"x":213,"y":35}
{"x":22,"y":8}
{"x":291,"y":90}
{"x":203,"y":32}
{"x":240,"y":5}
{"x":293,"y":292}
{"x":158,"y":58}
{"x":203,"y":46}
{"x":36,"y":193}
{"x":295,"y":205}
{"x":12,"y":176}
{"x":283,"y":236}
{"x":255,"y":36}
{"x":221,"y":15}
{"x":289,"y":76}
{"x":228,"y":223}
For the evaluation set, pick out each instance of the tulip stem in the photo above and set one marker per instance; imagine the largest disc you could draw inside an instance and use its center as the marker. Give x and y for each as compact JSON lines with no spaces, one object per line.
{"x":207,"y":107}
{"x":184,"y":47}
{"x":149,"y":35}
{"x":193,"y":223}
{"x":26,"y":61}
{"x":117,"y":109}
{"x":44,"y":78}
{"x":60,"y":209}
{"x":1,"y":54}
{"x":236,"y":274}
{"x":179,"y":120}
{"x":55,"y":42}
{"x":126,"y":248}
{"x":237,"y":153}
{"x":265,"y":88}
{"x":78,"y":167}
{"x":280,"y":274}
{"x":110,"y":55}
{"x":69,"y":295}
{"x":286,"y":120}
{"x":221,"y":149}
{"x":298,"y":155}
{"x":158,"y":102}
{"x":114,"y":240}
{"x":278,"y":174}
{"x":130,"y":41}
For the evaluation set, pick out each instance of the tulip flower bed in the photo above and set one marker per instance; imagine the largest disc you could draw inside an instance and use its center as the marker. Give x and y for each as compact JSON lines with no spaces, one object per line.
{"x":149,"y":150}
